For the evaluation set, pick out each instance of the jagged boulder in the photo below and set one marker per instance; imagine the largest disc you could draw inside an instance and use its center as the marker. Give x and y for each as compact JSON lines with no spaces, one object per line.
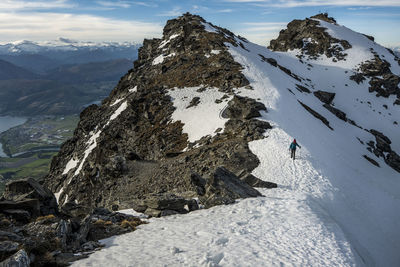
{"x":243,"y":108}
{"x":302,"y":89}
{"x":324,"y":96}
{"x":23,"y":210}
{"x":224,"y":187}
{"x":75,"y":210}
{"x":382,"y":141}
{"x":164,"y":204}
{"x":52,"y":240}
{"x":382,"y":81}
{"x":311,"y":39}
{"x":338,"y":113}
{"x":20,"y":190}
{"x":316,"y":114}
{"x":256,"y":182}
{"x":357,"y":77}
{"x":371,"y":160}
{"x":381,"y":148}
{"x":7,"y":248}
{"x":19,"y":259}
{"x":393,"y":160}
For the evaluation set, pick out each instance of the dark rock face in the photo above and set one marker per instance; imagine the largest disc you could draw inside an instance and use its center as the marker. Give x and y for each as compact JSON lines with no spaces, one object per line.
{"x":7,"y":248}
{"x":243,"y":108}
{"x":381,"y":148}
{"x":338,"y":113}
{"x":31,"y":189}
{"x":383,"y":81}
{"x":223,"y":187}
{"x":274,"y":63}
{"x":382,"y":141}
{"x":256,"y":182}
{"x":195,"y":101}
{"x":157,"y":205}
{"x":128,"y":149}
{"x":311,"y":39}
{"x":325,"y":97}
{"x":29,"y":238}
{"x":371,"y":160}
{"x":357,"y":77}
{"x":302,"y":89}
{"x":19,"y":259}
{"x":393,"y":160}
{"x":21,"y":210}
{"x":316,"y":115}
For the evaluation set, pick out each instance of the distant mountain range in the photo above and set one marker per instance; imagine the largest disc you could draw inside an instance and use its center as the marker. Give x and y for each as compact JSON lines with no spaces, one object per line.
{"x":59,"y":77}
{"x":396,"y":50}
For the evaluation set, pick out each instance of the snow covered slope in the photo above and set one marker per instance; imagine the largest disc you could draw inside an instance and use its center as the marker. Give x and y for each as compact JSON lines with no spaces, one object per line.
{"x":332,"y":206}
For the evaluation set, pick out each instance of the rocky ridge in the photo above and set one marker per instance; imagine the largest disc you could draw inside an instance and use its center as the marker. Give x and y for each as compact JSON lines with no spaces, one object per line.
{"x":128,"y":151}
{"x":131,"y":152}
{"x":311,"y":39}
{"x":34,"y":232}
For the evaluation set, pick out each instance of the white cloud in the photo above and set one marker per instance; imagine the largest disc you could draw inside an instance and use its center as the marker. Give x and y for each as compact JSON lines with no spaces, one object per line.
{"x":112,"y":4}
{"x":146,"y":4}
{"x":228,"y":10}
{"x":49,"y":26}
{"x":262,"y":38}
{"x":359,"y":8}
{"x":261,"y":32}
{"x":30,"y":5}
{"x":176,"y":11}
{"x":264,"y":26}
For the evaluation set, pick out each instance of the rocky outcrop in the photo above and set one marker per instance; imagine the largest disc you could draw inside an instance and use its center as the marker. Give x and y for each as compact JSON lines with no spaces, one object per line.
{"x":224,"y":187}
{"x":316,"y":114}
{"x":325,"y":97}
{"x":371,"y":160}
{"x":357,"y":77}
{"x":338,"y":113}
{"x":129,"y":149}
{"x":256,"y":182}
{"x":312,"y":39}
{"x":274,"y":63}
{"x":382,"y":80}
{"x":19,"y":259}
{"x":31,"y":236}
{"x":302,"y":89}
{"x":19,"y":190}
{"x":157,"y":205}
{"x":381,"y":148}
{"x":243,"y":108}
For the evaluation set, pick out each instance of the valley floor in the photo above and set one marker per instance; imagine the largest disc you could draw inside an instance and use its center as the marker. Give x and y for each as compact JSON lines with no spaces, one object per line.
{"x":286,"y":227}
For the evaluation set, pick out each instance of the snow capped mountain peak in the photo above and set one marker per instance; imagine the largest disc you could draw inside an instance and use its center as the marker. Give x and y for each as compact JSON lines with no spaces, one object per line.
{"x":205,"y":112}
{"x":61,"y":44}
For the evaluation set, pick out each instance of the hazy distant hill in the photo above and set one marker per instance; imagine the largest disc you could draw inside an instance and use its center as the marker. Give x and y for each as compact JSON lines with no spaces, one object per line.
{"x":41,"y":57}
{"x":91,"y":72}
{"x":11,"y":71}
{"x":59,"y":77}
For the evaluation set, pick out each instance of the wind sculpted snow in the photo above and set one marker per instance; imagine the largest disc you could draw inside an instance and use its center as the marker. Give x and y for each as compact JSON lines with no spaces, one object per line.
{"x":357,"y":196}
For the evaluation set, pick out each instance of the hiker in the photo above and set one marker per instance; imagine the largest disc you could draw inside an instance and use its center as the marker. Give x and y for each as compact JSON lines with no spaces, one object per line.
{"x":292,"y":149}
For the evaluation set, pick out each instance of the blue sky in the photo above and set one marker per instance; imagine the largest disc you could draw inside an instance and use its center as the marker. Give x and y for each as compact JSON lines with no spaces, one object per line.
{"x":131,"y":20}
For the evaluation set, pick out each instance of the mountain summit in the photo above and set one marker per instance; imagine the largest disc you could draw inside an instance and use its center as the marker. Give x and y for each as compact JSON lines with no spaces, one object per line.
{"x":205,"y":114}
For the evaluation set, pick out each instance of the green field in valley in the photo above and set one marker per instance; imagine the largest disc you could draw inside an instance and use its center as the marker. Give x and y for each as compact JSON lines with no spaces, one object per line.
{"x":32,"y":146}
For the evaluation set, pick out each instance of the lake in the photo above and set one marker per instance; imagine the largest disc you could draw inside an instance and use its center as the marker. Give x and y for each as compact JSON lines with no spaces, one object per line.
{"x":6,"y":123}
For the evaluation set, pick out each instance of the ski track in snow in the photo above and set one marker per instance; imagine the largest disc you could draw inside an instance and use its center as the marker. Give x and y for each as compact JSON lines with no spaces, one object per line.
{"x":330,"y":208}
